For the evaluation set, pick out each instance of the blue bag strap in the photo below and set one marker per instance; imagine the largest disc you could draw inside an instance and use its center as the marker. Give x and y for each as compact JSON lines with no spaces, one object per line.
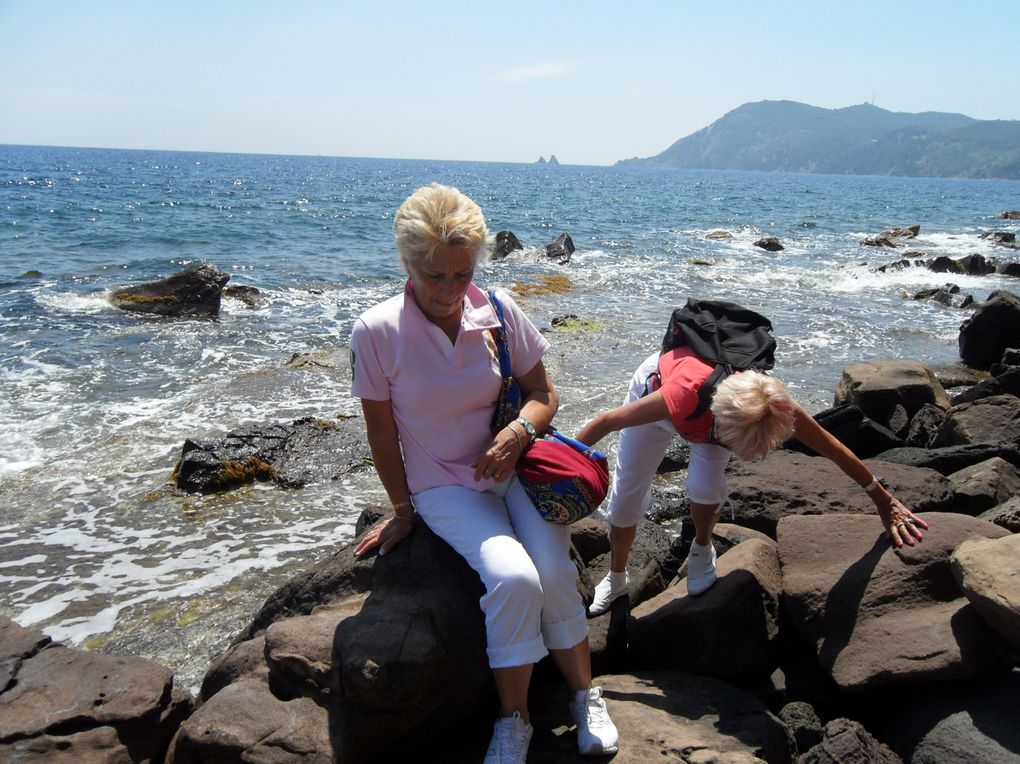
{"x":577,"y":445}
{"x":505,"y":368}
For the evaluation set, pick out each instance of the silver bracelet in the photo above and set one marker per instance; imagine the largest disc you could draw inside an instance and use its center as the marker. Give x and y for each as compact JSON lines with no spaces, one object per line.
{"x":875,"y":482}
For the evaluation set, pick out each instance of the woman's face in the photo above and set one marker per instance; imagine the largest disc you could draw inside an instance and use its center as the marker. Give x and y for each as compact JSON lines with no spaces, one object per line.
{"x":440,"y":285}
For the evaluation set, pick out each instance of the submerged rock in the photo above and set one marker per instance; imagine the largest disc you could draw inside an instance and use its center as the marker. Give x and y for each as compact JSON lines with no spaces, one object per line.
{"x":194,"y":291}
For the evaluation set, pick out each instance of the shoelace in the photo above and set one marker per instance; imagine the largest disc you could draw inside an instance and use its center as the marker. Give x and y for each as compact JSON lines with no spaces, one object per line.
{"x":595,"y":709}
{"x":509,"y":743}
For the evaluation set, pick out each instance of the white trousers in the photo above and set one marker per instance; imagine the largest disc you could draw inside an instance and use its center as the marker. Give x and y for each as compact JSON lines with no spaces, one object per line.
{"x":531,"y":601}
{"x":640,"y":453}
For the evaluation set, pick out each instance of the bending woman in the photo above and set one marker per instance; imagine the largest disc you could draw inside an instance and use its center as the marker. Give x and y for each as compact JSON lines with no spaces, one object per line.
{"x":751,"y":413}
{"x":425,"y":368}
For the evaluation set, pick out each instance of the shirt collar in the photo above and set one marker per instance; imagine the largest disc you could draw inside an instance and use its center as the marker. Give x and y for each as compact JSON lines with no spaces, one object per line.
{"x":478,"y":311}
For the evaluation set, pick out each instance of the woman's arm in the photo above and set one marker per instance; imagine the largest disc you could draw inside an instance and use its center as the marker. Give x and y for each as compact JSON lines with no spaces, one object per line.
{"x":384,"y":441}
{"x":539,"y":403}
{"x":650,"y":408}
{"x":900,"y":523}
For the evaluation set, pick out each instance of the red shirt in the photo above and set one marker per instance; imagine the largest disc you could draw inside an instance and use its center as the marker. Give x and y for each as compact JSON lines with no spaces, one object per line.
{"x":682,"y":374}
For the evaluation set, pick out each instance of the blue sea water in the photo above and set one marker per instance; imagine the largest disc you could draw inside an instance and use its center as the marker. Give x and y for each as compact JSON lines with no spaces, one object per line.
{"x":95,"y":403}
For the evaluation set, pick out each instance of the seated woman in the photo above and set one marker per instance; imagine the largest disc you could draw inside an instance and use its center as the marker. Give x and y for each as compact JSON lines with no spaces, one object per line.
{"x":751,"y":414}
{"x":425,"y":368}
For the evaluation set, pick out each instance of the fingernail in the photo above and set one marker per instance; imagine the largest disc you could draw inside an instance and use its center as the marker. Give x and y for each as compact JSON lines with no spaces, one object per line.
{"x":381,"y":551}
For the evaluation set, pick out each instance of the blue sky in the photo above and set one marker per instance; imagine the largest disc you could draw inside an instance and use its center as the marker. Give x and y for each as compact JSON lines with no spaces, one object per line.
{"x":591,"y":82}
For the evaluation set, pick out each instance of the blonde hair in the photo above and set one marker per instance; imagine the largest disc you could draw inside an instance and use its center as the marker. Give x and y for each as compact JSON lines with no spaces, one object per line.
{"x":753,"y":414}
{"x":435,"y":216}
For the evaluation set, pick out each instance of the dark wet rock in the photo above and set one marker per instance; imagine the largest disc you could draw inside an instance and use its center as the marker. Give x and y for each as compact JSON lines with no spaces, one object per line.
{"x":1007,"y":382}
{"x":64,"y":702}
{"x":992,"y":329}
{"x":995,"y":419}
{"x":677,"y":456}
{"x":864,"y":436}
{"x":988,"y":572}
{"x":1000,"y":237}
{"x":1010,"y":215}
{"x":984,"y":485}
{"x":878,"y":616}
{"x":877,"y":387}
{"x":560,"y":249}
{"x":948,"y":295}
{"x":730,"y":631}
{"x":1006,"y":515}
{"x":789,"y":483}
{"x":249,"y":295}
{"x":1008,"y":268}
{"x":771,"y":243}
{"x":194,"y":291}
{"x":924,"y":425}
{"x":290,"y":455}
{"x":878,"y":241}
{"x":506,"y":242}
{"x":950,"y":459}
{"x":845,"y":741}
{"x":955,"y":375}
{"x":320,"y":359}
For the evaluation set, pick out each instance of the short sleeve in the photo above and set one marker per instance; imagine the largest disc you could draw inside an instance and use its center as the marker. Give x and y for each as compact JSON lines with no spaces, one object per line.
{"x":369,"y":381}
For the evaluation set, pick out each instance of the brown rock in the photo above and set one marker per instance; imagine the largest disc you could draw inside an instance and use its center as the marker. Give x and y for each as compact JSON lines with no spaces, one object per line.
{"x":985,"y":485}
{"x":995,"y":419}
{"x":845,"y":741}
{"x":876,"y":616}
{"x":877,"y":387}
{"x":988,"y":571}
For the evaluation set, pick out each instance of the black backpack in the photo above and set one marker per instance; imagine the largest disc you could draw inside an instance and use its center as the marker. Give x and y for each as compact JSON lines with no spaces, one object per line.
{"x":731,"y":336}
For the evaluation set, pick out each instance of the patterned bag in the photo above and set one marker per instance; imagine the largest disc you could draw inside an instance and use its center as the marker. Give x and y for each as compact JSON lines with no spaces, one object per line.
{"x":565,"y":479}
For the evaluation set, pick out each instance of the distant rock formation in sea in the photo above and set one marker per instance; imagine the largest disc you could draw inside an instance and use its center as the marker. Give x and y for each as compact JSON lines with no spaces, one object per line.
{"x":552,"y":160}
{"x":785,"y":136}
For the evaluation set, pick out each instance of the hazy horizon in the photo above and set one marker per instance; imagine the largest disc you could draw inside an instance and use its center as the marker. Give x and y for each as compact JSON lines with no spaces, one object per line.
{"x":587,"y":81}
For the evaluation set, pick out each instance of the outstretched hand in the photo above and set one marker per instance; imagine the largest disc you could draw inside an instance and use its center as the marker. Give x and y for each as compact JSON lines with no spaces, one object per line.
{"x":385,"y":534}
{"x":901,"y":525}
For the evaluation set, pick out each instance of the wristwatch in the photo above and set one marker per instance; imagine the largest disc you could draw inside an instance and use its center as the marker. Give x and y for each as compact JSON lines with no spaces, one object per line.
{"x":528,"y":428}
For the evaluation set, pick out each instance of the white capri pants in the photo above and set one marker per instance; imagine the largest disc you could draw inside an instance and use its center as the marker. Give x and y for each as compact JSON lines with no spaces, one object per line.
{"x":640,"y":453}
{"x":531,"y":601}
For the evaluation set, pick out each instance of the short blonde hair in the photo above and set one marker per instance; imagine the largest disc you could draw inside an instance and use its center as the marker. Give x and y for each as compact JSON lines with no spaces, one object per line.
{"x":435,"y":216}
{"x":753,"y":414}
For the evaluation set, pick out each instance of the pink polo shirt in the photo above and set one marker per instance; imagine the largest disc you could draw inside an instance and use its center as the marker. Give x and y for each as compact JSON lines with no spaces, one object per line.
{"x":683,"y":373}
{"x":443,"y":394}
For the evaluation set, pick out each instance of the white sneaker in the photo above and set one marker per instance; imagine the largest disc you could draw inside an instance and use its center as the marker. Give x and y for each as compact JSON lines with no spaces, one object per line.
{"x":510,"y":740}
{"x":700,"y":568}
{"x":613,"y":586}
{"x":596,"y":733}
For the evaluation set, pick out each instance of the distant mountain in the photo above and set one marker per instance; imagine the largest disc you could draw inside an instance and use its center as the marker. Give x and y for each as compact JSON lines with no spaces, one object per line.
{"x":785,"y":136}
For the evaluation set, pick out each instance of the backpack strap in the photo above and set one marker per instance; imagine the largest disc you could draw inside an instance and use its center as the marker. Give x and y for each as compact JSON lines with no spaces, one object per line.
{"x":499,"y":335}
{"x":707,"y":390}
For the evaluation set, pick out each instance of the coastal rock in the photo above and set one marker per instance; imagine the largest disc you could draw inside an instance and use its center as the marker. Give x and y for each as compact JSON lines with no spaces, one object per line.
{"x":984,"y":485}
{"x":999,"y":237}
{"x":955,"y":375}
{"x":718,"y":233}
{"x":246,"y":722}
{"x":730,"y":631}
{"x":249,"y":295}
{"x":1010,"y":215}
{"x":1006,"y":515}
{"x":949,"y":459}
{"x":771,"y":243}
{"x":290,"y":455}
{"x":194,"y":291}
{"x":1005,"y":383}
{"x":560,"y":249}
{"x":988,"y":572}
{"x":878,"y":241}
{"x":843,"y":741}
{"x":970,"y":265}
{"x":992,"y":329}
{"x":789,"y":483}
{"x":506,"y":242}
{"x":62,"y":701}
{"x":863,"y":436}
{"x":800,"y":718}
{"x":878,"y":616}
{"x":948,"y":295}
{"x":924,"y":425}
{"x":995,"y":419}
{"x":670,"y":716}
{"x":877,"y":387}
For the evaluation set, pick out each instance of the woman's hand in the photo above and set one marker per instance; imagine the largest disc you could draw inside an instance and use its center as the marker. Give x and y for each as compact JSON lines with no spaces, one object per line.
{"x":500,"y":458}
{"x":901,"y":525}
{"x":385,"y":534}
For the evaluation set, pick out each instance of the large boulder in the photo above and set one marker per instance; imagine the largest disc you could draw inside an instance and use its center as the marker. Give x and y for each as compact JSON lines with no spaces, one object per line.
{"x":506,"y":242}
{"x":878,"y":616}
{"x":1006,"y":515}
{"x":949,"y":459}
{"x":1006,"y":383}
{"x":730,"y":631}
{"x":789,"y":483}
{"x":992,"y":329}
{"x":864,"y":436}
{"x":995,"y":419}
{"x":291,"y":455}
{"x":988,"y":571}
{"x":194,"y":291}
{"x":878,"y":387}
{"x":64,"y":704}
{"x":845,"y":740}
{"x":984,"y":485}
{"x":561,"y":248}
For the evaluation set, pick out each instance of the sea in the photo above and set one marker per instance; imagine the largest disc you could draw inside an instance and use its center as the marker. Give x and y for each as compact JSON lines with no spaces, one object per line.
{"x":95,"y":403}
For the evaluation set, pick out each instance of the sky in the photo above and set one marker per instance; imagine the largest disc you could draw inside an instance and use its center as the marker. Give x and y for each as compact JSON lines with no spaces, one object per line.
{"x":590,"y":82}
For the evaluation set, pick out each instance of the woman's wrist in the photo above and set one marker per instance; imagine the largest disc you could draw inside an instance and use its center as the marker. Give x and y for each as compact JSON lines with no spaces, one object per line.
{"x":403,"y":510}
{"x":520,"y":435}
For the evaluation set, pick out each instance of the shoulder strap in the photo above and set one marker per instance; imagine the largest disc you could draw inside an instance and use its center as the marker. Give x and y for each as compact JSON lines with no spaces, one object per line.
{"x":499,"y":335}
{"x":708,"y":389}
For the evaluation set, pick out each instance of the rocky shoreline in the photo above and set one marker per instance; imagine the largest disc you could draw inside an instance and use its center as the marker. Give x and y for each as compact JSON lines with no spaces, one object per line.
{"x":819,"y":643}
